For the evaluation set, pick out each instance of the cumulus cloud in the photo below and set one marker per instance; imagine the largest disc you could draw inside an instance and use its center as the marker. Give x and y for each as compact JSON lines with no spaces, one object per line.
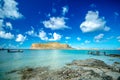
{"x":92,"y":22}
{"x":9,"y":25}
{"x":87,"y":41}
{"x":106,"y":28}
{"x":67,"y":37}
{"x":55,"y":23}
{"x":78,"y":38}
{"x":9,"y":9}
{"x":31,"y":32}
{"x":5,"y":35}
{"x":98,"y":37}
{"x":64,"y":10}
{"x":20,"y":38}
{"x":55,"y":37}
{"x":42,"y":35}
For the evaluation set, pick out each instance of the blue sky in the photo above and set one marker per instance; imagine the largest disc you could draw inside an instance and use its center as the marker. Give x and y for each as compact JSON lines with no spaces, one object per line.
{"x":79,"y":23}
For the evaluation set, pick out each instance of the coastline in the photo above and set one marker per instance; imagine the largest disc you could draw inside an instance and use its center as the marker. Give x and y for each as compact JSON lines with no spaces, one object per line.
{"x":89,"y":69}
{"x":27,"y":73}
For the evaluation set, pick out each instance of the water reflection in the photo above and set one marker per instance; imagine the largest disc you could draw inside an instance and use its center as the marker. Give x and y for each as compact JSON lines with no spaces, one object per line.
{"x":55,"y":58}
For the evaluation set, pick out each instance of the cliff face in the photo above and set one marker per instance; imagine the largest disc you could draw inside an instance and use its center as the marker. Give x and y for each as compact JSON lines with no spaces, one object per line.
{"x":52,"y":45}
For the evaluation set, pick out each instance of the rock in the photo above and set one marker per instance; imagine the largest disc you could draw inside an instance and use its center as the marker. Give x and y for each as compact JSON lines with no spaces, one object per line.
{"x":13,"y":71}
{"x":90,"y":69}
{"x":90,"y":63}
{"x":114,"y":75}
{"x":116,"y":66}
{"x":51,"y":45}
{"x":114,"y":55}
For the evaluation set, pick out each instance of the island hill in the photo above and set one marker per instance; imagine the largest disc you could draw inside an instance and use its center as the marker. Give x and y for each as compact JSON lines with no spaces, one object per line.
{"x":50,"y":45}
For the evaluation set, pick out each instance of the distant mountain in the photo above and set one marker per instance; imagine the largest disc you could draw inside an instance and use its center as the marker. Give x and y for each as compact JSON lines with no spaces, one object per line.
{"x":50,"y":45}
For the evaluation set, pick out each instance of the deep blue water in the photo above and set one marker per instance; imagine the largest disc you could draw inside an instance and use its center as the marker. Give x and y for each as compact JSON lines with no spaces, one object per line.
{"x":52,"y":58}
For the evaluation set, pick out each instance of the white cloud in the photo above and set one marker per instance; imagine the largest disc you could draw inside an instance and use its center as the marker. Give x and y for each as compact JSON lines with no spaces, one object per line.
{"x":42,"y":35}
{"x":5,"y":35}
{"x":55,"y":37}
{"x":87,"y":41}
{"x":118,"y":38}
{"x":20,"y":38}
{"x":98,"y":37}
{"x":55,"y":23}
{"x":9,"y":10}
{"x":31,"y":32}
{"x":78,"y":38}
{"x":67,"y":37}
{"x":64,"y":10}
{"x":92,"y":22}
{"x":106,"y":28}
{"x":9,"y":25}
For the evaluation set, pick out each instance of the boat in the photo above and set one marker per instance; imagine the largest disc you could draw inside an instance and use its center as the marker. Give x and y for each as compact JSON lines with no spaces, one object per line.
{"x":14,"y":50}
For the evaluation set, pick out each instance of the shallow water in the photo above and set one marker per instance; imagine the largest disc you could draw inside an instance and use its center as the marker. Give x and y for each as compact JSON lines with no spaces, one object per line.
{"x":53,"y":58}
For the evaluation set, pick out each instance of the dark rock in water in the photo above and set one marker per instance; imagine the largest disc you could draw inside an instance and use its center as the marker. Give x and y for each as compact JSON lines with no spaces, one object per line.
{"x":90,"y":63}
{"x":13,"y":71}
{"x":118,"y":78}
{"x":94,"y":53}
{"x":114,"y":55}
{"x":107,"y":78}
{"x":117,"y":62}
{"x":116,"y":66}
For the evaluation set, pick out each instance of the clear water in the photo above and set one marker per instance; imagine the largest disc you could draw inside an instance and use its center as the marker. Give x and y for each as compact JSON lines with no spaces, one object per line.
{"x":52,"y":58}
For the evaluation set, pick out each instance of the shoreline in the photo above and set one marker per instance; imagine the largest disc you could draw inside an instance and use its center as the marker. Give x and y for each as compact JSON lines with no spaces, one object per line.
{"x":89,"y":69}
{"x":56,"y":49}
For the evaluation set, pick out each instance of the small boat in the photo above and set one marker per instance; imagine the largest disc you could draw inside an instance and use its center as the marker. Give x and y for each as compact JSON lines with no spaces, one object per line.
{"x":14,"y":50}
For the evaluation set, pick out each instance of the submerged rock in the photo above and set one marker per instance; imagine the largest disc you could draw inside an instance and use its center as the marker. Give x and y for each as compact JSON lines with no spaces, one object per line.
{"x":90,"y":63}
{"x":114,"y":55}
{"x":90,"y":69}
{"x":116,"y":66}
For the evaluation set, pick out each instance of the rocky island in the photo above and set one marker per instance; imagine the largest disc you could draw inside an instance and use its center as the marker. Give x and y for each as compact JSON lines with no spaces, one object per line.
{"x":50,"y":45}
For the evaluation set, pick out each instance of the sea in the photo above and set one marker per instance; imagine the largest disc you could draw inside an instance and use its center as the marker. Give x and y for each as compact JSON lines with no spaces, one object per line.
{"x":54,"y":59}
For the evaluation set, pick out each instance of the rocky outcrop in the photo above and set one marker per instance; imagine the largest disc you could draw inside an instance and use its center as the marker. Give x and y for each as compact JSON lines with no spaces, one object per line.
{"x":114,"y":55}
{"x":51,"y":45}
{"x":90,"y":63}
{"x":90,"y":69}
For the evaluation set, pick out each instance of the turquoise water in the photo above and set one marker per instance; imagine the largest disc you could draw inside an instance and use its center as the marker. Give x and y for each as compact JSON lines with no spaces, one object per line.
{"x":52,"y":58}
